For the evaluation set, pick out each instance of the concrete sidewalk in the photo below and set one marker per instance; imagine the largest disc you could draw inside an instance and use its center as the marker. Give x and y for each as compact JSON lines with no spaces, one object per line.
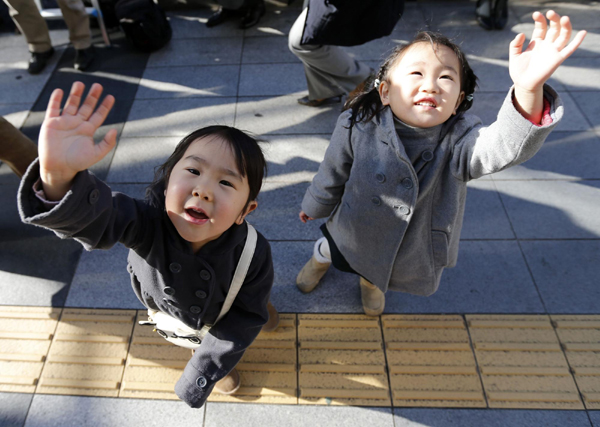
{"x":530,"y":243}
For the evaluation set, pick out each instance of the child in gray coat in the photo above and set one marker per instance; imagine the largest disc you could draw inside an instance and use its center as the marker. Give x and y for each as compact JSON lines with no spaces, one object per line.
{"x":394,"y":179}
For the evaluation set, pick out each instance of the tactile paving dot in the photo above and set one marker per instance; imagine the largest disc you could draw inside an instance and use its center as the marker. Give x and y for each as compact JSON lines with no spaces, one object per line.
{"x":580,"y":338}
{"x":522,"y":363}
{"x":25,"y":337}
{"x":88,"y":352}
{"x":431,"y":362}
{"x":341,"y":361}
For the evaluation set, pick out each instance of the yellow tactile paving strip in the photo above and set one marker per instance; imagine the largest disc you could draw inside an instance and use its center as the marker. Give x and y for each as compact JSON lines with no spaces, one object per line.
{"x":431,"y":362}
{"x":475,"y":361}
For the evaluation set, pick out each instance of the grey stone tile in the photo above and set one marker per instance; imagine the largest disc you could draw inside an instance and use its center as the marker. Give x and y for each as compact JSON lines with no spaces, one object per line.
{"x":581,"y":13}
{"x":590,"y":47}
{"x":267,"y":49}
{"x":283,"y":115}
{"x":337,"y":293}
{"x":177,"y":117}
{"x":15,"y":114}
{"x":379,"y":49}
{"x":580,"y":75}
{"x":272,"y":79}
{"x":135,"y":158}
{"x":218,"y":50}
{"x":490,"y":277}
{"x":239,"y":414}
{"x":58,"y":411}
{"x":595,"y":417}
{"x":412,"y":19}
{"x":552,"y":209}
{"x":121,"y":55}
{"x":566,"y":273}
{"x":447,"y":18}
{"x":36,"y":270}
{"x":13,"y":408}
{"x":588,"y":102}
{"x":18,"y":86}
{"x":15,"y":50}
{"x":294,"y":158}
{"x":488,"y":418}
{"x":277,"y":21}
{"x":564,"y":155}
{"x":101,"y":279}
{"x":277,"y":214}
{"x":191,"y":24}
{"x":183,"y":82}
{"x":496,"y":42}
{"x":485,"y":217}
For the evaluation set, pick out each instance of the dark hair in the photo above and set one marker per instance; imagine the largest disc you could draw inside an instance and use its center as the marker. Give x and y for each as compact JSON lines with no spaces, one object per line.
{"x":249,"y":160}
{"x":367,"y":104}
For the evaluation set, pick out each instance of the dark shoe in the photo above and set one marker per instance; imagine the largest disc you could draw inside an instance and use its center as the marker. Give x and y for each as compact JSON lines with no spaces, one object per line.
{"x":273,"y":321}
{"x":84,"y":58}
{"x":500,"y":14}
{"x":38,"y":61}
{"x":318,"y":102}
{"x":253,"y":15}
{"x":492,"y":14}
{"x":230,"y":384}
{"x":219,"y":17}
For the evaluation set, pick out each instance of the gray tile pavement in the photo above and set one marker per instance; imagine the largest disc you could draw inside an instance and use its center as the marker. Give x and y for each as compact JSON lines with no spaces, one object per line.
{"x":531,"y":236}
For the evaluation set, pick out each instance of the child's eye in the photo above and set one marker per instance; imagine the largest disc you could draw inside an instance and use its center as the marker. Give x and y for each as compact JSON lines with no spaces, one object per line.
{"x":416,"y":73}
{"x":194,"y":171}
{"x":447,"y":77}
{"x":227,"y":183}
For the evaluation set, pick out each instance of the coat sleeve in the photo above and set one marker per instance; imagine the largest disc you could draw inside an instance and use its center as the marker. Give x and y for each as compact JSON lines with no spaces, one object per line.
{"x":225,"y":344}
{"x":327,"y":187}
{"x":88,"y":213}
{"x":509,"y":141}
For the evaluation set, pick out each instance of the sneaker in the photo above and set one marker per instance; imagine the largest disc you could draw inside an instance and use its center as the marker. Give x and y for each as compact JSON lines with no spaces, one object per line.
{"x":311,"y":274}
{"x":84,"y":58}
{"x":230,"y":384}
{"x":373,"y":299}
{"x":273,"y":321}
{"x":220,"y":16}
{"x":253,"y":15}
{"x":318,"y":102}
{"x":38,"y":61}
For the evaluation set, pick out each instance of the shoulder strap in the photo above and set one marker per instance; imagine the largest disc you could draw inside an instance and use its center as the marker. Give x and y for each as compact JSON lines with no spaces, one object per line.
{"x":240,"y":272}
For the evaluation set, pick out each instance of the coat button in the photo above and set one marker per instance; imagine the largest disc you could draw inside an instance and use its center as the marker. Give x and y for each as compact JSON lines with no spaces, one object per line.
{"x":175,"y":267}
{"x":404,"y":210}
{"x":380,"y":177}
{"x":130,"y":268}
{"x":205,"y":275}
{"x":201,"y":294}
{"x":407,"y":183}
{"x":201,"y":382}
{"x":94,"y":196}
{"x":195,"y":309}
{"x":427,"y":155}
{"x":169,"y":291}
{"x":376,"y":201}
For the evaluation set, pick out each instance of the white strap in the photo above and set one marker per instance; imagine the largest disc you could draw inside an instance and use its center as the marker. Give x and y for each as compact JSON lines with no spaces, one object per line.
{"x":240,"y":272}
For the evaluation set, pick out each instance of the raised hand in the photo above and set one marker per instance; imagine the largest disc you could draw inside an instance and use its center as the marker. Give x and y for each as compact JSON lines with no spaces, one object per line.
{"x":530,"y":68}
{"x":548,"y":48}
{"x":66,"y":144}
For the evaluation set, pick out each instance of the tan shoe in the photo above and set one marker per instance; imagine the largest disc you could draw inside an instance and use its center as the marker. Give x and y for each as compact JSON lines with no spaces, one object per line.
{"x":373,"y":299}
{"x":229,"y":384}
{"x":311,"y":274}
{"x":273,"y":321}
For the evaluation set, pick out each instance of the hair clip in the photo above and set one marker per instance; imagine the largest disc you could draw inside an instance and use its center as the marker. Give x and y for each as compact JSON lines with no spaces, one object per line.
{"x":376,"y":83}
{"x":469,"y":97}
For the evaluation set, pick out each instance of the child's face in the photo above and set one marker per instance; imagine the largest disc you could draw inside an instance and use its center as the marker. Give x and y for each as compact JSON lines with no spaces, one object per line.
{"x":423,"y":87}
{"x":206,"y":193}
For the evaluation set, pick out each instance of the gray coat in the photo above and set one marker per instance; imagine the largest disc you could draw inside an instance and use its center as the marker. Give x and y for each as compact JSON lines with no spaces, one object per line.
{"x":397,"y":222}
{"x":165,"y":274}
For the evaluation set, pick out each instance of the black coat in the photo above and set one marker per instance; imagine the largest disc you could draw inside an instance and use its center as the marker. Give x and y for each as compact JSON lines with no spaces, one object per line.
{"x":165,"y":274}
{"x":350,"y":22}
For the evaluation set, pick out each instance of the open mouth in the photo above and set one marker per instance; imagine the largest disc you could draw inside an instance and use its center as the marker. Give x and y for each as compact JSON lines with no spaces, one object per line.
{"x":198,"y":214}
{"x":428,"y":104}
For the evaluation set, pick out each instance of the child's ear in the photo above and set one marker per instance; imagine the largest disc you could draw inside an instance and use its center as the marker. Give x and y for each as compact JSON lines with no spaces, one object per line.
{"x":384,"y":93}
{"x":251,"y":206}
{"x":461,"y":98}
